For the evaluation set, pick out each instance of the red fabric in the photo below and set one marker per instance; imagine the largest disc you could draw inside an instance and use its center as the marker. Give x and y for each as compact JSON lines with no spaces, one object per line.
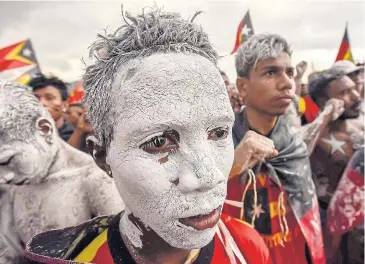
{"x":282,"y":248}
{"x":247,"y":239}
{"x":77,"y":94}
{"x":311,"y":109}
{"x":344,"y":52}
{"x":103,"y":255}
{"x":249,"y":242}
{"x":7,"y":64}
{"x":346,"y":209}
{"x":238,"y":37}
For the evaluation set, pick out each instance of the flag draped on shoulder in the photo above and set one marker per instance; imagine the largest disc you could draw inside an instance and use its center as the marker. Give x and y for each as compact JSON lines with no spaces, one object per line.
{"x":344,"y":53}
{"x":17,"y":55}
{"x":244,"y":30}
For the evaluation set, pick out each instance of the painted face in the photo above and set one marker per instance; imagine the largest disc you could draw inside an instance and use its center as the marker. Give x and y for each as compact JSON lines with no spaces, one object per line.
{"x":51,"y":98}
{"x":172,"y":149}
{"x":345,"y":90}
{"x":23,"y":162}
{"x":358,"y":78}
{"x":270,"y":88}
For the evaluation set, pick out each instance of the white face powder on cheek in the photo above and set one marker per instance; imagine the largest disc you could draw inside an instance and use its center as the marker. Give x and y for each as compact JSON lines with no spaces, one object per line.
{"x":152,"y":100}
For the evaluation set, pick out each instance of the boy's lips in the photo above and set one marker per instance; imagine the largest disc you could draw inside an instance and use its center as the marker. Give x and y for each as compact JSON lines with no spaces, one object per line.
{"x":202,"y":222}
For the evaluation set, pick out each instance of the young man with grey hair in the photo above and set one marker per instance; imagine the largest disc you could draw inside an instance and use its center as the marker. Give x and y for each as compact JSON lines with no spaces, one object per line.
{"x":277,"y":197}
{"x":162,"y":120}
{"x":48,"y":184}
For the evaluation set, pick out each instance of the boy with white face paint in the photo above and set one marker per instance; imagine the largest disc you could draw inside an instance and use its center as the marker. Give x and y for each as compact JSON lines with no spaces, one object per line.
{"x":163,"y":119}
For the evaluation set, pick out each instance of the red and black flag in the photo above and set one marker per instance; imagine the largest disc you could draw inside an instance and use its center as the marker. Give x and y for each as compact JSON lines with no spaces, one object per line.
{"x":28,"y":75}
{"x":77,"y":93}
{"x":344,"y":53}
{"x":346,"y":208}
{"x":244,"y":30}
{"x":17,"y":55}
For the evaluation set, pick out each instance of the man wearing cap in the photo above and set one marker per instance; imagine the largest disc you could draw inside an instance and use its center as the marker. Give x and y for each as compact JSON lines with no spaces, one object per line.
{"x":339,"y":139}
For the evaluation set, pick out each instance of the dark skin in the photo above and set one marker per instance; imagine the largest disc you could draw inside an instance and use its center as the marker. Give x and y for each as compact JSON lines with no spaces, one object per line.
{"x":76,"y":115}
{"x":337,"y":142}
{"x":268,"y":91}
{"x":155,"y":249}
{"x":358,"y":78}
{"x":73,"y":113}
{"x":50,"y":98}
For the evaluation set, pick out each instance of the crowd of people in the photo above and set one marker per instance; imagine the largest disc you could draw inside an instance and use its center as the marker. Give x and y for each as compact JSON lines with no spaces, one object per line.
{"x":153,"y":166}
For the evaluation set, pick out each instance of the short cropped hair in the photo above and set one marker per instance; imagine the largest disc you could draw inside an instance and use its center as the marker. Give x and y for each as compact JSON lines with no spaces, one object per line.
{"x":259,"y":47}
{"x":140,"y":36}
{"x":42,"y":81}
{"x":318,"y":84}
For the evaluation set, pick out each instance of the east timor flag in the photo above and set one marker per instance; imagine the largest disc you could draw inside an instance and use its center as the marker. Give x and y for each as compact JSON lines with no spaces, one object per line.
{"x":17,"y":55}
{"x":243,"y":31}
{"x":26,"y":77}
{"x":344,"y":52}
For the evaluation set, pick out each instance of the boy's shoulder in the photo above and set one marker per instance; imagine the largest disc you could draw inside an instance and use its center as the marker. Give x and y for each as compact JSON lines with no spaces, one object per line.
{"x":59,"y":245}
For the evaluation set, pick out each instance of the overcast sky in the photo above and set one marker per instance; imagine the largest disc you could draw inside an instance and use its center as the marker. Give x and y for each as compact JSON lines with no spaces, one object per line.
{"x":62,"y":31}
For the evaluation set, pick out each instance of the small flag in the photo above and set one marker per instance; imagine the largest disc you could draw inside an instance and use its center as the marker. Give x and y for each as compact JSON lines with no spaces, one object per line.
{"x":17,"y":55}
{"x":344,"y":53}
{"x":28,"y":75}
{"x":77,"y":94}
{"x":244,"y":30}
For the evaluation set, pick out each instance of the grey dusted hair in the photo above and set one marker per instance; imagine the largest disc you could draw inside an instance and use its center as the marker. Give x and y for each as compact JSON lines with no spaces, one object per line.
{"x":19,"y":112}
{"x":259,"y":47}
{"x":140,"y":36}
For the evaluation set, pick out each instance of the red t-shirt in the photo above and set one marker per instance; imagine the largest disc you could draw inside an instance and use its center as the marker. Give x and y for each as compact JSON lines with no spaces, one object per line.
{"x":99,"y":241}
{"x":280,"y":230}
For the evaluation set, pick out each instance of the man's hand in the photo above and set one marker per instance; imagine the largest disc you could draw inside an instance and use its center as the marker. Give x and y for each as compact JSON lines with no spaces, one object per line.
{"x":260,"y":147}
{"x":335,"y":107}
{"x":301,"y":67}
{"x":83,"y":125}
{"x":252,"y":148}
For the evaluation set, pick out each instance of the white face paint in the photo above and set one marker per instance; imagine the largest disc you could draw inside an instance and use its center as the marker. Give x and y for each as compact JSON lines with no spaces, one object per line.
{"x":25,"y":162}
{"x":183,"y":98}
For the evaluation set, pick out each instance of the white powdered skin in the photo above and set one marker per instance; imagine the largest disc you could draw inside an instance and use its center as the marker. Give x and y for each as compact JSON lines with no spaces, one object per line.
{"x":59,"y":185}
{"x":162,"y":92}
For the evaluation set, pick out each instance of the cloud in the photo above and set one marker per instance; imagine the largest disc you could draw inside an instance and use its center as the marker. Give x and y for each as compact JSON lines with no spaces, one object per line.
{"x":62,"y":31}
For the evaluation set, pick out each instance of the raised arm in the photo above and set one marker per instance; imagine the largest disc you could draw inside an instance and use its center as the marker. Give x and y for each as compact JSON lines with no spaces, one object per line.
{"x":311,"y":132}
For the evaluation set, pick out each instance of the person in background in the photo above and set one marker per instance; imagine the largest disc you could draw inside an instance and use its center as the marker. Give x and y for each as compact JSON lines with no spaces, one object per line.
{"x":52,"y":93}
{"x":356,"y":74}
{"x":76,"y":115}
{"x":337,"y":143}
{"x":278,"y":195}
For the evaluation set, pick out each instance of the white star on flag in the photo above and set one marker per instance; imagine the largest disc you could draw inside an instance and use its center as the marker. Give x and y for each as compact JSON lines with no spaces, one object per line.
{"x":245,"y":30}
{"x":27,"y":52}
{"x":336,"y":145}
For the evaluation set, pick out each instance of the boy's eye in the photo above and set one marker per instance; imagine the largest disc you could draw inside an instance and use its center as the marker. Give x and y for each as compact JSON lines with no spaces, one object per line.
{"x":218,"y":133}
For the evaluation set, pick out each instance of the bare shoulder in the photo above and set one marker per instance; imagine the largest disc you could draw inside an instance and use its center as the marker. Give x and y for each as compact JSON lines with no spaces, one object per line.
{"x":102,"y":193}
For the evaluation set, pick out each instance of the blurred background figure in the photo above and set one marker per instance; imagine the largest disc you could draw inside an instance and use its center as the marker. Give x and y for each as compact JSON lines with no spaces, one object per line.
{"x":234,"y":96}
{"x":76,"y":116}
{"x":70,"y":119}
{"x":52,"y":93}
